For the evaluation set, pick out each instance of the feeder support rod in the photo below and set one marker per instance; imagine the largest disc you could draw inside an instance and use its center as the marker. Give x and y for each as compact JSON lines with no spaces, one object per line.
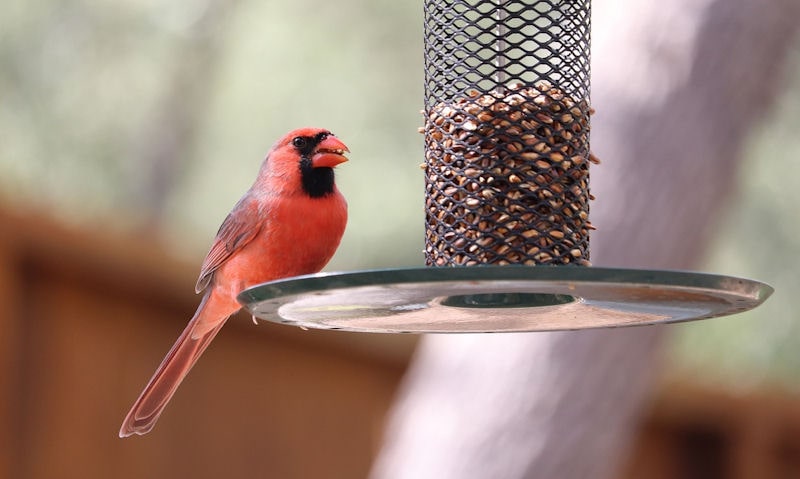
{"x":500,"y":44}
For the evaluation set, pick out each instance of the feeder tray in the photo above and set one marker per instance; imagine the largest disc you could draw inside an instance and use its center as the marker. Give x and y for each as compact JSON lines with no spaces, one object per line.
{"x":487,"y":299}
{"x":506,"y":133}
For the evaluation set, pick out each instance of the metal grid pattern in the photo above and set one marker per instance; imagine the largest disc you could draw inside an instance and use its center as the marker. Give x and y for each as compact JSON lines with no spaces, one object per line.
{"x":507,"y":132}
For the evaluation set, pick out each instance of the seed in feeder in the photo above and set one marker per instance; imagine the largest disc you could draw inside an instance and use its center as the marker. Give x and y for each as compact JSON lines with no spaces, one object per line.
{"x":518,"y":141}
{"x":485,"y":241}
{"x":469,"y":125}
{"x":542,"y":147}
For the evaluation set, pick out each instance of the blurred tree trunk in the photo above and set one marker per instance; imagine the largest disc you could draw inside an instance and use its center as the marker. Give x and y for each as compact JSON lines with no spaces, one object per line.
{"x":677,"y":86}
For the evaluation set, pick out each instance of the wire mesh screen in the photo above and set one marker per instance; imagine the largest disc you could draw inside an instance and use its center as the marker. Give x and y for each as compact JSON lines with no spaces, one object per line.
{"x":507,"y":132}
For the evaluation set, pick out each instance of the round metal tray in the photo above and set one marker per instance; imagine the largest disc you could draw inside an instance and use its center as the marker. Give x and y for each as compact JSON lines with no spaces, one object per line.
{"x":484,"y":299}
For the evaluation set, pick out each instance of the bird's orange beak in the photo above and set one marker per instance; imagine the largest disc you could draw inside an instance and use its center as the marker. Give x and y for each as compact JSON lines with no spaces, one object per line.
{"x":329,"y":153}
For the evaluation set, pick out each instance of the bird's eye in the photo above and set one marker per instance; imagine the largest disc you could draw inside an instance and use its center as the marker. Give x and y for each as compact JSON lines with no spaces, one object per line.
{"x":299,"y":142}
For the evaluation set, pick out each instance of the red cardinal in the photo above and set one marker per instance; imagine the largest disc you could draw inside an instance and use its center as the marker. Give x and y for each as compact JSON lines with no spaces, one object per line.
{"x":287,"y":224}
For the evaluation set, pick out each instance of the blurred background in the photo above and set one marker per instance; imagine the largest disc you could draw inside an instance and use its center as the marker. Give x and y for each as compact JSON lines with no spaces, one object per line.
{"x":128,"y":130}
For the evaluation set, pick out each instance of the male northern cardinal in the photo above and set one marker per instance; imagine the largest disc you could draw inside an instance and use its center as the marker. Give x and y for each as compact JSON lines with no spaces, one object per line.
{"x":288,"y":223}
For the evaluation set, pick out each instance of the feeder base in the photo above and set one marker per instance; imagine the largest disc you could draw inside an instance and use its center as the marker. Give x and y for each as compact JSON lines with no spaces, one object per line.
{"x":490,"y":299}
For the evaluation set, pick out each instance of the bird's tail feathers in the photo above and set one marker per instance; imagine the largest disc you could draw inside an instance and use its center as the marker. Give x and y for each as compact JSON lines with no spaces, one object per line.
{"x":206,"y":323}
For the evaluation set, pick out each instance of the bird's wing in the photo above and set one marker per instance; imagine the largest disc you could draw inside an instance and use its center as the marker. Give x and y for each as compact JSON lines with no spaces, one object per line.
{"x":238,"y":229}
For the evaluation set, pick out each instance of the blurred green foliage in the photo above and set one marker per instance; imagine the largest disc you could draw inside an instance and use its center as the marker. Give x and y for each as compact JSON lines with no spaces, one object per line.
{"x":149,"y":116}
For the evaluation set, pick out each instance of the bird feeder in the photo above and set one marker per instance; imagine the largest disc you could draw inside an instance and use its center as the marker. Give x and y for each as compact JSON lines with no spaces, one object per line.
{"x":507,"y":229}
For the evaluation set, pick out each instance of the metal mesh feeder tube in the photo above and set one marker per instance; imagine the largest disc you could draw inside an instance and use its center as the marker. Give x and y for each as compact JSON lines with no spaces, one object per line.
{"x":506,"y":132}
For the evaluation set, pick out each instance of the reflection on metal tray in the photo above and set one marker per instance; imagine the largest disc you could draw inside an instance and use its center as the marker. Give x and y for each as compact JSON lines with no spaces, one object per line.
{"x":499,"y":299}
